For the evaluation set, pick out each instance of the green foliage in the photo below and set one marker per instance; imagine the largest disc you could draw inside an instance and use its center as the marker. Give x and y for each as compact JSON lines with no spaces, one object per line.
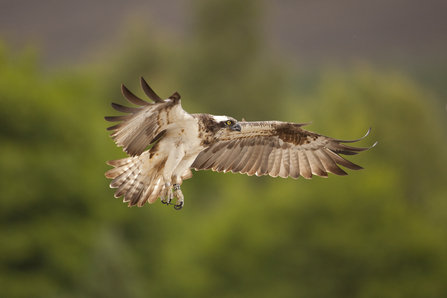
{"x":380,"y":232}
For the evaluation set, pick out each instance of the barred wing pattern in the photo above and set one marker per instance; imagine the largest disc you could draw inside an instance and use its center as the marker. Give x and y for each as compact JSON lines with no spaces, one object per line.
{"x":278,"y":149}
{"x":146,"y":124}
{"x":135,"y":181}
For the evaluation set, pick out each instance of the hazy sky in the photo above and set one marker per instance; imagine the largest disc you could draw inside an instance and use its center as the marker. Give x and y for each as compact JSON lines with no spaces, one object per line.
{"x":309,"y":30}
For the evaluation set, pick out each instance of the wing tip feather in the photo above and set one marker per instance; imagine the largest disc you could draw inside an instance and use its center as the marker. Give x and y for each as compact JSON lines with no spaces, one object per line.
{"x":132,"y":98}
{"x":149,"y":92}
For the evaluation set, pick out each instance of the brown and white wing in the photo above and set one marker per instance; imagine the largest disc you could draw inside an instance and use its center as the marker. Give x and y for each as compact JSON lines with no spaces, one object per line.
{"x":277,"y":149}
{"x":145,"y":124}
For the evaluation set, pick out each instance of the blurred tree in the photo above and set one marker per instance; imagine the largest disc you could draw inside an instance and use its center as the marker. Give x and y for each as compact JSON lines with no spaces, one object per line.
{"x":379,"y":232}
{"x":408,"y":121}
{"x":228,"y":68}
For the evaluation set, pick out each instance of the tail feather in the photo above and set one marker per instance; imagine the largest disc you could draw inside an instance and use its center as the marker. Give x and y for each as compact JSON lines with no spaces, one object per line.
{"x":128,"y":181}
{"x":134,"y":194}
{"x":147,"y":192}
{"x":135,"y":181}
{"x":120,"y":162}
{"x":151,"y":192}
{"x":158,"y":191}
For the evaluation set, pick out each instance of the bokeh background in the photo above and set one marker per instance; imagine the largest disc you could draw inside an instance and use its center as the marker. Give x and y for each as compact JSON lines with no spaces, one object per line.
{"x":345,"y":65}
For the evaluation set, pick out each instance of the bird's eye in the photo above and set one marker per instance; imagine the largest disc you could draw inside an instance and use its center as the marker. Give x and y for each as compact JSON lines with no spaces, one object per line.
{"x":229,"y":122}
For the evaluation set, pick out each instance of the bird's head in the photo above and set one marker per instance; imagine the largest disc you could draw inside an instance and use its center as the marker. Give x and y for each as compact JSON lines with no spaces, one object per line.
{"x":226,"y":122}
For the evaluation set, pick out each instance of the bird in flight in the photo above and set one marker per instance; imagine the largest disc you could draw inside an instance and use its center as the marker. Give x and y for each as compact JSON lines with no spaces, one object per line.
{"x":179,"y":141}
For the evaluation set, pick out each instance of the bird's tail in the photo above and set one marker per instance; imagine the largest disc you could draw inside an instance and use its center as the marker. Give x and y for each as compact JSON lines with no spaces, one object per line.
{"x":137,"y":178}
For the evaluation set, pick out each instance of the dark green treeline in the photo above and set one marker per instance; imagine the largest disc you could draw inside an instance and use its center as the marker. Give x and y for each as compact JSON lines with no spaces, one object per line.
{"x":380,"y":232}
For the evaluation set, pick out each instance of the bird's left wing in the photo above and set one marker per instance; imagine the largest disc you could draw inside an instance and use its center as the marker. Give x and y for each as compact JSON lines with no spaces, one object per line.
{"x":148,"y":123}
{"x":277,"y":149}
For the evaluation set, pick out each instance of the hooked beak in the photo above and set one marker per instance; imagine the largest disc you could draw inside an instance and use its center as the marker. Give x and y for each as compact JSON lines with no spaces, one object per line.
{"x":236,"y":127}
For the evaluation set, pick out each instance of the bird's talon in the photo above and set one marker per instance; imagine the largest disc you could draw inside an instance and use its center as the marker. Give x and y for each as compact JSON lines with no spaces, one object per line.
{"x":179,"y":195}
{"x":178,"y":207}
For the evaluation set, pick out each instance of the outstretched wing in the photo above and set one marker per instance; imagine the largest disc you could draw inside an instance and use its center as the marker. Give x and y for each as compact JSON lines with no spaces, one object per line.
{"x":277,"y":148}
{"x":146,"y":124}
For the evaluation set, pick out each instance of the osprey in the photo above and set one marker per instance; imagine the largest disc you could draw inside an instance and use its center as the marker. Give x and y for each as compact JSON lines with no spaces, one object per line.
{"x":182,"y":141}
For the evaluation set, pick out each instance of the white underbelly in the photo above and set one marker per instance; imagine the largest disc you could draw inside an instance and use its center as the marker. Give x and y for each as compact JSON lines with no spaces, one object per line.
{"x":178,"y":149}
